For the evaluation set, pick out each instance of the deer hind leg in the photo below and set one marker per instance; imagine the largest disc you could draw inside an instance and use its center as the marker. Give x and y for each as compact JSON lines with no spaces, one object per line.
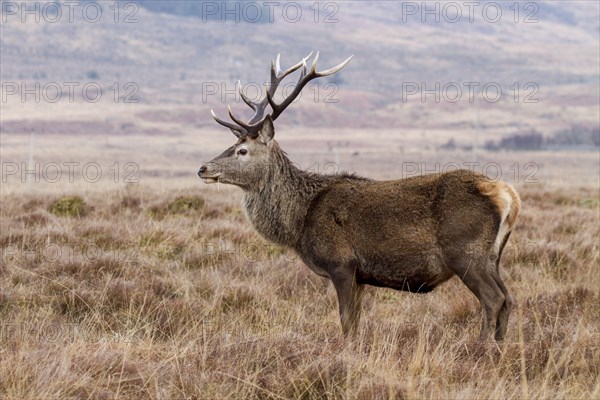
{"x":503,"y":315}
{"x":349,"y":295}
{"x":479,"y":278}
{"x":502,"y":320}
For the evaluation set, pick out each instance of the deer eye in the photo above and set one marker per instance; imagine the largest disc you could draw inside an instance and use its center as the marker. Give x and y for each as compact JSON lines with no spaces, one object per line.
{"x":242,"y":152}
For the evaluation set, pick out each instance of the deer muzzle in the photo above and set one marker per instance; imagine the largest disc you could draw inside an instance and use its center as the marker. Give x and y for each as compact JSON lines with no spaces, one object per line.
{"x":208,"y":176}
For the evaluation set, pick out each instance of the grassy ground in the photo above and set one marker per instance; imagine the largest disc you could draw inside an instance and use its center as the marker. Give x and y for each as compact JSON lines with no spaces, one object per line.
{"x":148,"y":293}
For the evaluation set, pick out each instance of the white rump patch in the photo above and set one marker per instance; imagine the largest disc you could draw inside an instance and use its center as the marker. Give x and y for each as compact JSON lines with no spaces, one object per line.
{"x":504,"y":228}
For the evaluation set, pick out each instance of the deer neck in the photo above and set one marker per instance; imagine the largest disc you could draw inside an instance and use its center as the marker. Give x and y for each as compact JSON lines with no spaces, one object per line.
{"x":278,"y":208}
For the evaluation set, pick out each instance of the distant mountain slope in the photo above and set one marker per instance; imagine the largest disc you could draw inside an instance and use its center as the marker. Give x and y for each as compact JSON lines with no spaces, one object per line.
{"x":246,"y":11}
{"x":174,"y":53}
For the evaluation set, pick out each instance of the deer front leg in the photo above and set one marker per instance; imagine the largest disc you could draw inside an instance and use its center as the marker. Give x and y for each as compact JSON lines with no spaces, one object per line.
{"x":349,"y":295}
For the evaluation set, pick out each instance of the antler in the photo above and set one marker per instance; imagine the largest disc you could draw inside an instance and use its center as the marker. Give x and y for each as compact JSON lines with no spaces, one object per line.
{"x":251,"y":128}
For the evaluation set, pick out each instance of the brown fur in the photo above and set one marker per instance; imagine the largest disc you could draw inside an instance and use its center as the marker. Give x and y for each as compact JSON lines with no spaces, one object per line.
{"x":494,"y":190}
{"x":409,"y":234}
{"x":515,"y":206}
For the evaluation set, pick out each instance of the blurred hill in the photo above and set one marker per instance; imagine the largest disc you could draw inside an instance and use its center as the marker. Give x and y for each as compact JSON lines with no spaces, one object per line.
{"x":175,"y":51}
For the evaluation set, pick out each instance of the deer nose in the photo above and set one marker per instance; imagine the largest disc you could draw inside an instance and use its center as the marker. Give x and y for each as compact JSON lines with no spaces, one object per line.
{"x":201,"y":170}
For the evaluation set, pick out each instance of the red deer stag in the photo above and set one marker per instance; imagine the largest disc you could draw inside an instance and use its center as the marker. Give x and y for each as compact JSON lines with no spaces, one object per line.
{"x":408,"y":234}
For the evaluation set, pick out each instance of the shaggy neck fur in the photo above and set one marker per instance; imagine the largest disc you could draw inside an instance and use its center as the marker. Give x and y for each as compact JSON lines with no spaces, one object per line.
{"x":278,"y":208}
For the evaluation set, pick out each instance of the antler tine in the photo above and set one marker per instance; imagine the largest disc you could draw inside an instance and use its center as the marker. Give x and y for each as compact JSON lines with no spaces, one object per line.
{"x":313,"y":67}
{"x":294,"y":67}
{"x":238,"y":121}
{"x":277,"y":64}
{"x":258,"y":115}
{"x":335,"y":69}
{"x":303,"y":71}
{"x":307,"y":57}
{"x":237,"y":130}
{"x":277,"y":75}
{"x":278,"y":108}
{"x":249,"y":102}
{"x":280,"y":76}
{"x":273,"y":81}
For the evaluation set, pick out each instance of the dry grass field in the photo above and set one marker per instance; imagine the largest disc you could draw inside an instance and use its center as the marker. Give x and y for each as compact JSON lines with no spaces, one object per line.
{"x":144,"y":283}
{"x":161,"y":289}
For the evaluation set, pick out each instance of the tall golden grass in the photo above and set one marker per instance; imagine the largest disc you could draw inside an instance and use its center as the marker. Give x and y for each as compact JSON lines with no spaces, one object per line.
{"x":143,"y":293}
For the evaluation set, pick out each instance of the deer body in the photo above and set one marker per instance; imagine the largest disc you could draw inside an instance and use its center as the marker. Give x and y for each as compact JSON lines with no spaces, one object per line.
{"x":409,"y":234}
{"x":388,"y":231}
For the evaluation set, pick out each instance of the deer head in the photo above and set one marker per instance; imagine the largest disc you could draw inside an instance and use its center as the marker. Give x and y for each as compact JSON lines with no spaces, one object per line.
{"x":246,"y":163}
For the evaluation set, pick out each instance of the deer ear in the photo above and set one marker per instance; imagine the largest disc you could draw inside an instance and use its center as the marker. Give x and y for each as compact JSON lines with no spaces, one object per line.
{"x":267,"y":131}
